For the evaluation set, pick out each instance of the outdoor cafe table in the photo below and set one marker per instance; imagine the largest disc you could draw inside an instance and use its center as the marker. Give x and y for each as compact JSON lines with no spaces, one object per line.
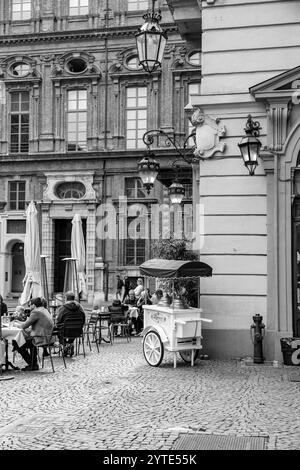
{"x":10,"y":333}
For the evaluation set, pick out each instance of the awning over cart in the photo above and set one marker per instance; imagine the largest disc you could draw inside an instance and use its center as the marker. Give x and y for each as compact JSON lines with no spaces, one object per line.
{"x":165,"y":268}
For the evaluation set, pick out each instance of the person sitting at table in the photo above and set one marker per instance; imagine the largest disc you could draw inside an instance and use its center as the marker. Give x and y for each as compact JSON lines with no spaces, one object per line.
{"x":3,"y":307}
{"x":71,"y":309}
{"x":41,"y":326}
{"x":118,"y":308}
{"x":96,"y":310}
{"x":19,"y":314}
{"x":132,"y":310}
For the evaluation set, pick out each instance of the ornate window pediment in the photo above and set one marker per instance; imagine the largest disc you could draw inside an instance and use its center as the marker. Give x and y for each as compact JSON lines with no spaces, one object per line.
{"x":185,"y":60}
{"x":19,"y":68}
{"x":127,"y":61}
{"x":75,"y":65}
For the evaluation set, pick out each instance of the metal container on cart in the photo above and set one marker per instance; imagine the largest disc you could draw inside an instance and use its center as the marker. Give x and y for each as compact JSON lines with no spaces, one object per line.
{"x":172,"y":328}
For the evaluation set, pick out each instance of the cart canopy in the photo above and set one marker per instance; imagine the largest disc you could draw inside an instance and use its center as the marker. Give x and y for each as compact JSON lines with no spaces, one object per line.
{"x":169,"y":269}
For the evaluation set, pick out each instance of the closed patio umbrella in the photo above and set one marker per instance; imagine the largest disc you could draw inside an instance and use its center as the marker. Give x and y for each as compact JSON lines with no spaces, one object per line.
{"x":32,"y":256}
{"x":78,"y":253}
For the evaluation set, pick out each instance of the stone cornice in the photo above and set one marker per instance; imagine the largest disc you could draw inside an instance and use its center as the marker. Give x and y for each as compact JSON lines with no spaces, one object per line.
{"x":75,"y":35}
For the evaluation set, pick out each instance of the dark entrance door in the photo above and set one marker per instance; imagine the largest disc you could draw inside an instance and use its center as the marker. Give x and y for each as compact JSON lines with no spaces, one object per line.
{"x":18,"y":267}
{"x":63,"y":231}
{"x":296,"y":267}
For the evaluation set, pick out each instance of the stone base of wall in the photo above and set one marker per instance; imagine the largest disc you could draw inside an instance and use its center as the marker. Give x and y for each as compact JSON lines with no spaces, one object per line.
{"x":233,"y":344}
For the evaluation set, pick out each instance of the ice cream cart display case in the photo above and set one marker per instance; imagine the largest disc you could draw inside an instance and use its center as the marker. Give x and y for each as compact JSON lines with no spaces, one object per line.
{"x":170,"y":325}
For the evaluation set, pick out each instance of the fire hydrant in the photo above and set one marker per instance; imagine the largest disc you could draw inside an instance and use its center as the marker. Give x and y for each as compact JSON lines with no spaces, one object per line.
{"x":257,"y":338}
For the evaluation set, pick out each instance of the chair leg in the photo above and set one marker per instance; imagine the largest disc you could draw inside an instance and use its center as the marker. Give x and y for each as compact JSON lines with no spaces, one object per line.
{"x":51,"y":360}
{"x":83,"y":348}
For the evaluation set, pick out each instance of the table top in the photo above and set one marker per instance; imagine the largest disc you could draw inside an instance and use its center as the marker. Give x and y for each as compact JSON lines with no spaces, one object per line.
{"x":14,"y":333}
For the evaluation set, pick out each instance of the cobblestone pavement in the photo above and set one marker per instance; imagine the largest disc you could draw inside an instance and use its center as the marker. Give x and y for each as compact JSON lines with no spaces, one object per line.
{"x":114,"y":400}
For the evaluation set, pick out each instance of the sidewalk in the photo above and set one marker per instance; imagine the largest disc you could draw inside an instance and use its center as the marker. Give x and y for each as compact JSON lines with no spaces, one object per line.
{"x":114,"y":400}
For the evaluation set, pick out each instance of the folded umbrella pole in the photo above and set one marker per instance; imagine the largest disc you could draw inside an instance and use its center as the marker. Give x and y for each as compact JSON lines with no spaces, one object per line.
{"x":32,"y":256}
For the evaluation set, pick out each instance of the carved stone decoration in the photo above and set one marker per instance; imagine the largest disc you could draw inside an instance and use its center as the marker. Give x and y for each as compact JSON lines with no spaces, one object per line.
{"x":208,"y":133}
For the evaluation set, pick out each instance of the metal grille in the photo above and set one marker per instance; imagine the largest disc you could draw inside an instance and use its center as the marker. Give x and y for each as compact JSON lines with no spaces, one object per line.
{"x":214,"y":442}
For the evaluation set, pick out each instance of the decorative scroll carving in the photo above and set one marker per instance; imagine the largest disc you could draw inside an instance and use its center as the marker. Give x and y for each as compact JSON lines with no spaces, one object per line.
{"x":208,"y":133}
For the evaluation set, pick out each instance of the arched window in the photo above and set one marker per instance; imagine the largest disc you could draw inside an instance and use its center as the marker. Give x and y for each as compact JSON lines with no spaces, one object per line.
{"x":70,"y":190}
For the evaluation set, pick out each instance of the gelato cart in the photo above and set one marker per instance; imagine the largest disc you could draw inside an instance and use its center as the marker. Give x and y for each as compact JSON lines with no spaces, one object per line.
{"x":170,"y":325}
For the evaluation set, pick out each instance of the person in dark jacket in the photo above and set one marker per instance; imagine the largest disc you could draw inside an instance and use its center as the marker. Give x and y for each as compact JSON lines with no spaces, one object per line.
{"x":69,"y":310}
{"x":119,"y":313}
{"x":3,"y":307}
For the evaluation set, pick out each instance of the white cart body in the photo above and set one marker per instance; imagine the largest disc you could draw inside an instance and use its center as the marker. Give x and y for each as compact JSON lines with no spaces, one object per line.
{"x":178,"y":329}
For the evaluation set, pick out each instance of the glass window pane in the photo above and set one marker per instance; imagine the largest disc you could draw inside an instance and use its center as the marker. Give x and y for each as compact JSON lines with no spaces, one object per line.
{"x":131,"y":92}
{"x":131,"y":102}
{"x":131,"y":144}
{"x":131,"y":134}
{"x":142,"y":114}
{"x":131,"y":115}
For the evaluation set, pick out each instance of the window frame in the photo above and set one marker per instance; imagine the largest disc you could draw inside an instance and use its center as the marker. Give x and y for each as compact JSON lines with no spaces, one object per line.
{"x":78,"y":7}
{"x":139,"y":144}
{"x":135,"y":5}
{"x":136,"y":188}
{"x":17,"y":200}
{"x":21,"y":3}
{"x":135,"y":242}
{"x":19,"y":113}
{"x":76,"y":111}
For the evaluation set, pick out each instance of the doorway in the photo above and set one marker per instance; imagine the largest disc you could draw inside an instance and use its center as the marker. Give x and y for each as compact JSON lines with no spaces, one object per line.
{"x":296,"y":266}
{"x":62,"y":249}
{"x":18,"y":267}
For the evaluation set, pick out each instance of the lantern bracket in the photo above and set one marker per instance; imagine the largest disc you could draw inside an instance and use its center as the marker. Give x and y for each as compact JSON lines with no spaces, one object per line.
{"x":185,"y":153}
{"x":252,"y":127}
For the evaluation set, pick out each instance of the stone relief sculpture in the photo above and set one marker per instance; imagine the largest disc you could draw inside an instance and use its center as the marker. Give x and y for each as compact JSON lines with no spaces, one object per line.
{"x":208,"y":134}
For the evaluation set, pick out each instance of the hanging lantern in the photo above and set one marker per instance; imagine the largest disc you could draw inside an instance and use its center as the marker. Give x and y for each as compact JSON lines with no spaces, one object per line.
{"x":148,"y":171}
{"x":176,"y":192}
{"x":250,"y":145}
{"x":151,"y":41}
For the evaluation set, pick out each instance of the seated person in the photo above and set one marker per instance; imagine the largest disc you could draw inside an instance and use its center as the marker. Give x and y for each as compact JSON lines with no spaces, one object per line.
{"x":41,"y":324}
{"x":119,"y":313}
{"x":96,"y":310}
{"x":19,"y":314}
{"x":70,"y":310}
{"x":132,"y":310}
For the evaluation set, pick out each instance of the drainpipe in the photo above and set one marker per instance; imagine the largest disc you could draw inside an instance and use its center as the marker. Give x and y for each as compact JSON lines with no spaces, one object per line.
{"x":104,"y":189}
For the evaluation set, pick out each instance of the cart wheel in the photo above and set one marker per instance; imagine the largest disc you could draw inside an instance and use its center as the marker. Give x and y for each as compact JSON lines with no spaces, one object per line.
{"x":186,"y":355}
{"x":153,"y":348}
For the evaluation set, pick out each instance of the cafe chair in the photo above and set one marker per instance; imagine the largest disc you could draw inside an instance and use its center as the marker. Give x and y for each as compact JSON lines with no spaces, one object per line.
{"x":72,"y":329}
{"x":46,"y":343}
{"x":119,"y":321}
{"x":104,"y":328}
{"x":93,"y":327}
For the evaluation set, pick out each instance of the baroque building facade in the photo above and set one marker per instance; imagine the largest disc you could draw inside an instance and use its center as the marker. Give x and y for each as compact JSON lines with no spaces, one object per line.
{"x":249,"y":65}
{"x":74,"y":106}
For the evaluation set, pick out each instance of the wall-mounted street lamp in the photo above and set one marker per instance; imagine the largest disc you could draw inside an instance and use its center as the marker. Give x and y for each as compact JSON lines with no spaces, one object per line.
{"x":250,"y":145}
{"x":149,"y":168}
{"x":151,"y":41}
